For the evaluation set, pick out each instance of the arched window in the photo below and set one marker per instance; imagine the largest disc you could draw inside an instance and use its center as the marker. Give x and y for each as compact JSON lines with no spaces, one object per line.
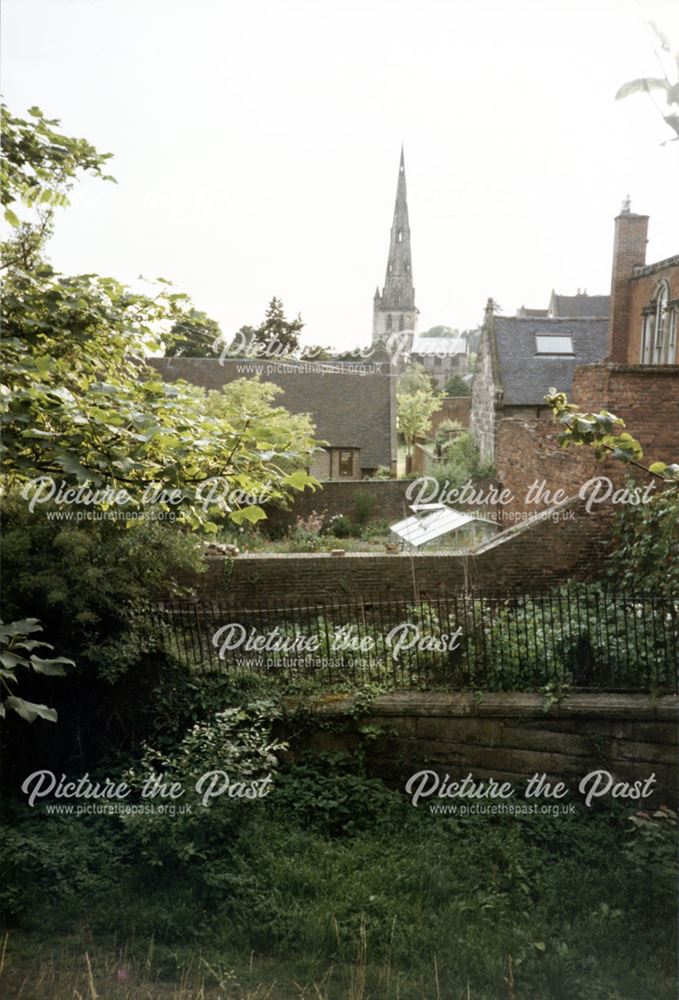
{"x":401,"y":323}
{"x":659,"y":329}
{"x":388,"y":323}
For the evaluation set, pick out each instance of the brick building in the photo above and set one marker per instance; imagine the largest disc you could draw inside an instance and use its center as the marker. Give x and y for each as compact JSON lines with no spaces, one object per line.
{"x":644,"y":321}
{"x":636,"y":377}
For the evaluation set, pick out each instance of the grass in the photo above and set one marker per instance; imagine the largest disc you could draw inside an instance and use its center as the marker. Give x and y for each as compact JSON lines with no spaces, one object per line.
{"x":337,"y":889}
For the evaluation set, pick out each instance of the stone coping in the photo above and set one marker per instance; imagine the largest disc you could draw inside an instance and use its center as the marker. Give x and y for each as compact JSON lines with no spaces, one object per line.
{"x":444,"y":703}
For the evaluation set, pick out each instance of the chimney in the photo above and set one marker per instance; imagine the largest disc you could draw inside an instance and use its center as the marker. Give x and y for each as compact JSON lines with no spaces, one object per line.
{"x":629,"y":251}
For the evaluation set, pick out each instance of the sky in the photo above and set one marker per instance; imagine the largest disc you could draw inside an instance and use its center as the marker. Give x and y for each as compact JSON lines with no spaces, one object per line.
{"x":257,"y":144}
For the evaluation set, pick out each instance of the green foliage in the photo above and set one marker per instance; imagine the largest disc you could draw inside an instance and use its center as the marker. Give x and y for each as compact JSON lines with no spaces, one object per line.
{"x":576,"y":635}
{"x":81,"y":404}
{"x":17,"y":643}
{"x":39,"y":164}
{"x":363,"y":504}
{"x":457,"y":386}
{"x":414,"y":412}
{"x":645,"y":545}
{"x":413,"y":379}
{"x":324,"y":792}
{"x":343,"y":877}
{"x":86,"y":582}
{"x":193,"y":335}
{"x":598,"y":431}
{"x":460,"y":462}
{"x":275,"y":337}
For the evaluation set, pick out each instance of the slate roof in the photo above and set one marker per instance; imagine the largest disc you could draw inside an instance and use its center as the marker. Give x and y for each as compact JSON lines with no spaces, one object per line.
{"x":526,"y":375}
{"x":350,"y":402}
{"x":442,"y":346}
{"x":581,"y":306}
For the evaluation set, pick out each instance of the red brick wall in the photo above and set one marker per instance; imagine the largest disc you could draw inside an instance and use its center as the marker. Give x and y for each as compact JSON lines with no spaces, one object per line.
{"x":647,"y":399}
{"x":338,"y":498}
{"x":629,"y":251}
{"x":522,"y":558}
{"x":452,"y":408}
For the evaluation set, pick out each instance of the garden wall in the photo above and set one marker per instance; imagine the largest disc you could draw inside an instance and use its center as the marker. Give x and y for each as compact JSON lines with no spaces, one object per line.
{"x":510,"y":737}
{"x":333,"y":498}
{"x":529,"y":556}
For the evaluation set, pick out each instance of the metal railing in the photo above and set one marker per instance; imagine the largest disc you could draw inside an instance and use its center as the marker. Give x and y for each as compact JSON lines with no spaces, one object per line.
{"x":580,"y":636}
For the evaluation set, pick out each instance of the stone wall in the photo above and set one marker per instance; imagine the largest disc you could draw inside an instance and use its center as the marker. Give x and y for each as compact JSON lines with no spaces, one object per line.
{"x":532,"y":555}
{"x":510,"y":737}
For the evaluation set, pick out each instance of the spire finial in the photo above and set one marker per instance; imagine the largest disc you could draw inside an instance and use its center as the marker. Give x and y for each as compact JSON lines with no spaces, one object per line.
{"x":626,"y":205}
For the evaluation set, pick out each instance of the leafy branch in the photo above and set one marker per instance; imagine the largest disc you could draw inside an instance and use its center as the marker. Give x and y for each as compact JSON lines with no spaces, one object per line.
{"x":598,"y":431}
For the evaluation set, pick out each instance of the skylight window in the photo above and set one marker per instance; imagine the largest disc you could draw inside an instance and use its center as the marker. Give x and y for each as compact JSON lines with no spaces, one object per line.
{"x":554,"y":345}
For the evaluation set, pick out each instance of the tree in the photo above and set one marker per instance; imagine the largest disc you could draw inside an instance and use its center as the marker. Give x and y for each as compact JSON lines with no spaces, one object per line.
{"x":80,"y":402}
{"x":413,"y":379}
{"x":39,"y":164}
{"x":457,"y":386}
{"x":667,"y":87}
{"x":276,"y":331}
{"x":192,"y":336}
{"x":414,"y":413}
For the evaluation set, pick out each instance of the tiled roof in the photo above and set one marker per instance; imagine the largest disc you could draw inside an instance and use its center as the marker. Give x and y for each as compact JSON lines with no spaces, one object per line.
{"x":580,"y":306}
{"x":350,"y":402}
{"x":526,"y":375}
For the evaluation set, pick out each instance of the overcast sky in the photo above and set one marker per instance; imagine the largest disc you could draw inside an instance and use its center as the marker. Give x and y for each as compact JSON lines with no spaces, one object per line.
{"x":256,"y":146}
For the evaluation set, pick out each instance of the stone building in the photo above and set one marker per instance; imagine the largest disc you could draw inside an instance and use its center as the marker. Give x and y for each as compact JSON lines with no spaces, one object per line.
{"x":440,"y":357}
{"x":394,"y":308}
{"x":519,"y":360}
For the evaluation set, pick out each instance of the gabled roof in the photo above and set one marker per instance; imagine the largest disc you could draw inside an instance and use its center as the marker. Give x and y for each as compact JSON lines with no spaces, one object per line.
{"x":527,"y":376}
{"x":441,"y":346}
{"x":350,"y":402}
{"x":580,"y":306}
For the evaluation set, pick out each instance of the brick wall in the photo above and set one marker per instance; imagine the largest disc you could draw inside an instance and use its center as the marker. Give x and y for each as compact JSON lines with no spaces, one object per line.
{"x":338,"y":498}
{"x":456,"y":408}
{"x":629,"y":251}
{"x":510,"y":737}
{"x":531,"y":556}
{"x":647,"y":399}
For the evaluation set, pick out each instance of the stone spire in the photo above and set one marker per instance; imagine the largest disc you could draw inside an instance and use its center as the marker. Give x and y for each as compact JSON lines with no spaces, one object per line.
{"x":394,"y":309}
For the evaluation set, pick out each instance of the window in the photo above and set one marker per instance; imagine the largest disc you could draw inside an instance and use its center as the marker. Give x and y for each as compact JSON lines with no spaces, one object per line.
{"x":388,"y":324}
{"x":401,"y":323}
{"x":346,"y":464}
{"x":659,"y":330}
{"x":548,"y":344}
{"x":400,"y":235}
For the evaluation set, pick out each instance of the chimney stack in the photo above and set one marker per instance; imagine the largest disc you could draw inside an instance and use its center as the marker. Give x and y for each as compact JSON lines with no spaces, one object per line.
{"x":629,"y":252}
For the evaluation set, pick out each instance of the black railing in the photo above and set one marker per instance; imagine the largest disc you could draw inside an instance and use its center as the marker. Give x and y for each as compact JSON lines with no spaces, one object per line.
{"x":579,"y":636}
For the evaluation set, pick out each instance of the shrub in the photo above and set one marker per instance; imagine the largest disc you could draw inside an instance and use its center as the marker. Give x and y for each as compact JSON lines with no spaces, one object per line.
{"x":363,"y":505}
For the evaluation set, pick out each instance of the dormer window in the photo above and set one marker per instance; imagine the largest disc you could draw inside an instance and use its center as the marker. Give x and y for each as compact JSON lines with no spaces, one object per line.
{"x":550,"y":344}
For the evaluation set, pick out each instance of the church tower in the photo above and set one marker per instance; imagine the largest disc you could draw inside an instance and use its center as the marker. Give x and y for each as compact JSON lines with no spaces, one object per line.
{"x":394,"y":308}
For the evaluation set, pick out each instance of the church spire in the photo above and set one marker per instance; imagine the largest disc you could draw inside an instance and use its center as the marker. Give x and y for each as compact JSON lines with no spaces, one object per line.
{"x":394,"y":309}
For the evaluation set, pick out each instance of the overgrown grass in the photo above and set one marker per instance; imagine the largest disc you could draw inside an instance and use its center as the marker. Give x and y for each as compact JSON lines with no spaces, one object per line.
{"x":335,"y":887}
